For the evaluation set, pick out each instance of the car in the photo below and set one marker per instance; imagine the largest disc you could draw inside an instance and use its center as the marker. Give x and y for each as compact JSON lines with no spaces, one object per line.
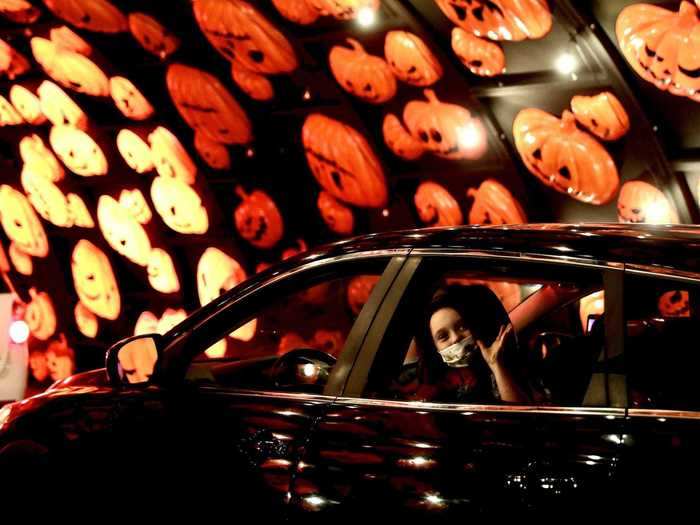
{"x":299,"y":394}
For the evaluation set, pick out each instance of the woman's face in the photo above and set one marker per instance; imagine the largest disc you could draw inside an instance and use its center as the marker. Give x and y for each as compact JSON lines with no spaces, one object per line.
{"x":447,"y":327}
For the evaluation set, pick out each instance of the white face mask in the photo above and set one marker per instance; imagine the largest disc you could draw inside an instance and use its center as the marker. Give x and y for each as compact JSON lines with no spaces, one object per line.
{"x":460,"y":354}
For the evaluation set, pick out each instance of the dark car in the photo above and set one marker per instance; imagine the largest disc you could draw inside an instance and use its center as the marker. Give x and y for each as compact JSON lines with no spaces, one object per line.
{"x":307,"y":392}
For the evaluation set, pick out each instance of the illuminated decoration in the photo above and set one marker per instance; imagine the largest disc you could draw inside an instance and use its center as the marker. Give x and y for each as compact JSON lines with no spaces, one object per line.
{"x":301,"y":247}
{"x":86,"y":321}
{"x":359,"y":290}
{"x":9,"y":116}
{"x":134,"y":150}
{"x":94,"y":15}
{"x":675,"y":303}
{"x":27,"y":105}
{"x":161,"y":272}
{"x":59,"y":108}
{"x":60,"y":359}
{"x":410,"y":59}
{"x":37,"y":362}
{"x":40,"y":315}
{"x":565,"y":158}
{"x":447,"y":130}
{"x":20,"y":260}
{"x":641,"y":202}
{"x":21,"y":224}
{"x":19,"y":11}
{"x":179,"y":205}
{"x":214,"y":154}
{"x":67,"y":39}
{"x":400,"y":141}
{"x":170,"y":319}
{"x":242,"y":35}
{"x":494,"y":204}
{"x":252,"y":84}
{"x":12,"y":63}
{"x":297,"y":11}
{"x":48,"y":200}
{"x":129,"y":99}
{"x":479,"y":56}
{"x":291,"y":341}
{"x":343,"y":162}
{"x":436,"y":206}
{"x":78,"y":211}
{"x":217,"y":350}
{"x":147,"y":323}
{"x":19,"y":332}
{"x":122,"y":231}
{"x":170,"y":157}
{"x":257,"y":218}
{"x":343,"y":9}
{"x":78,"y":152}
{"x":4,"y":262}
{"x":337,"y":216}
{"x":662,"y":46}
{"x":135,"y":203}
{"x":602,"y":114}
{"x":152,"y":36}
{"x":207,"y":106}
{"x":592,"y":304}
{"x":33,"y":151}
{"x":329,"y":341}
{"x":500,"y":19}
{"x":94,"y":280}
{"x":70,"y":69}
{"x":366,"y":76}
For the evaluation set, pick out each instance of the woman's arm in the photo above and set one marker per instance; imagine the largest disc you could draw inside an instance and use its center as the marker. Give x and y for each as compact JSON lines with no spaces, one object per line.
{"x":508,"y":387}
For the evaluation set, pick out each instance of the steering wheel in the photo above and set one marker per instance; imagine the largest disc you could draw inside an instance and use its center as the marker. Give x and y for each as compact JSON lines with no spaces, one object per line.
{"x":305,"y":368}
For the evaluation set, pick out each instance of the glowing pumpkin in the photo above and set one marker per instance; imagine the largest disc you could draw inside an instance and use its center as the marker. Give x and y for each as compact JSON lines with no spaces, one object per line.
{"x":602,"y":114}
{"x":147,"y":323}
{"x":9,"y":116}
{"x":161,"y":272}
{"x":258,"y":219}
{"x":641,"y":202}
{"x":592,"y":304}
{"x":94,"y":280}
{"x":152,"y":36}
{"x":5,"y":267}
{"x":94,"y":15}
{"x":129,"y":99}
{"x":494,"y":204}
{"x":21,"y":224}
{"x":86,"y":321}
{"x":60,"y":359}
{"x":399,"y":140}
{"x":78,"y":151}
{"x":328,"y":341}
{"x":343,"y":162}
{"x":78,"y":211}
{"x":481,"y":57}
{"x":241,"y":34}
{"x":19,"y":11}
{"x":33,"y":151}
{"x":410,"y":59}
{"x":297,"y":11}
{"x":215,"y":154}
{"x":179,"y":205}
{"x":252,"y":84}
{"x":170,"y":319}
{"x":436,"y":206}
{"x":565,"y":158}
{"x":135,"y":203}
{"x":20,"y":260}
{"x":48,"y":200}
{"x":217,"y":350}
{"x":40,"y":315}
{"x":359,"y":290}
{"x":38,"y":366}
{"x":59,"y":108}
{"x":27,"y":105}
{"x":366,"y":76}
{"x":207,"y":106}
{"x":67,"y":39}
{"x":337,"y":216}
{"x":291,"y":341}
{"x":674,"y":303}
{"x":343,"y":9}
{"x":122,"y":231}
{"x":135,"y":151}
{"x":12,"y":63}
{"x":170,"y":157}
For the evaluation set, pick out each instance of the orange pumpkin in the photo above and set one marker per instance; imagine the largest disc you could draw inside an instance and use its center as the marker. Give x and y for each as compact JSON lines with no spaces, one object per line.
{"x":122,"y":231}
{"x":343,"y":9}
{"x":40,"y":315}
{"x":64,"y":37}
{"x":675,"y":303}
{"x":215,"y":154}
{"x":481,"y":57}
{"x":241,"y":34}
{"x":94,"y":15}
{"x":179,"y":205}
{"x":592,"y":304}
{"x":19,"y":11}
{"x":60,"y":359}
{"x":135,"y":151}
{"x":565,"y":158}
{"x":129,"y":99}
{"x":328,"y":341}
{"x":86,"y":321}
{"x":20,"y":260}
{"x":410,"y":59}
{"x":258,"y":219}
{"x":255,"y":86}
{"x":602,"y":114}
{"x":33,"y":151}
{"x":94,"y":280}
{"x":494,"y":204}
{"x":447,"y":130}
{"x":59,"y":108}
{"x":12,"y":63}
{"x":170,"y":319}
{"x":147,"y":323}
{"x":21,"y":224}
{"x":27,"y":105}
{"x":9,"y":116}
{"x":48,"y":200}
{"x":359,"y":290}
{"x":297,"y":11}
{"x":336,"y":215}
{"x":161,"y":272}
{"x":207,"y":106}
{"x":170,"y":157}
{"x":152,"y":36}
{"x":641,"y":202}
{"x":436,"y":206}
{"x":300,"y":247}
{"x":291,"y":341}
{"x":78,"y":211}
{"x":343,"y":162}
{"x":366,"y":76}
{"x":135,"y":203}
{"x":78,"y":151}
{"x":500,"y":19}
{"x":399,"y":140}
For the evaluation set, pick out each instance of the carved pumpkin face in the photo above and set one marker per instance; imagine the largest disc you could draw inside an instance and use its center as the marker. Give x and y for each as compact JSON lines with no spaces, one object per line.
{"x":207,"y":106}
{"x":21,"y":224}
{"x":86,"y":321}
{"x":67,"y":39}
{"x":161,"y":272}
{"x":9,"y":116}
{"x":59,"y":108}
{"x":410,"y":59}
{"x":366,"y":76}
{"x":602,"y":114}
{"x":78,"y":152}
{"x":78,"y":211}
{"x":447,"y":130}
{"x":500,"y":19}
{"x":592,"y":304}
{"x":359,"y":290}
{"x":675,"y":303}
{"x":12,"y":63}
{"x":258,"y":219}
{"x":337,"y":216}
{"x":60,"y":360}
{"x":343,"y":9}
{"x":94,"y":280}
{"x":33,"y":151}
{"x":640,"y":202}
{"x":255,"y":86}
{"x":213,"y":153}
{"x":241,"y":34}
{"x":20,"y":260}
{"x":297,"y":11}
{"x":47,"y":199}
{"x":399,"y":140}
{"x":40,"y":315}
{"x":565,"y":158}
{"x":179,"y":205}
{"x":20,"y":12}
{"x":494,"y":204}
{"x":94,"y":15}
{"x":135,"y":203}
{"x":436,"y":206}
{"x":343,"y":162}
{"x":147,"y":323}
{"x":129,"y":99}
{"x":122,"y":231}
{"x":152,"y":36}
{"x":481,"y":57}
{"x":170,"y":157}
{"x":27,"y":105}
{"x":38,"y":366}
{"x":135,"y":151}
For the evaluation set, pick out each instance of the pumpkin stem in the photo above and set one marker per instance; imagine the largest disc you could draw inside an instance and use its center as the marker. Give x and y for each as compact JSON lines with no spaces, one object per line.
{"x":431,"y":96}
{"x":356,"y":46}
{"x":568,"y":121}
{"x":241,"y":192}
{"x":471,"y":192}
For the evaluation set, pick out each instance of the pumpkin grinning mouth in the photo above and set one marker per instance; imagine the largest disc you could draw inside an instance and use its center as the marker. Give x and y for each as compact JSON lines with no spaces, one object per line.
{"x":691,"y":73}
{"x":196,"y":107}
{"x":329,"y":162}
{"x":228,"y":35}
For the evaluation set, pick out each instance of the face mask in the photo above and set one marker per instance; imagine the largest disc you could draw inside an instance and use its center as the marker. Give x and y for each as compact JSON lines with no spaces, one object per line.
{"x":459,"y":354}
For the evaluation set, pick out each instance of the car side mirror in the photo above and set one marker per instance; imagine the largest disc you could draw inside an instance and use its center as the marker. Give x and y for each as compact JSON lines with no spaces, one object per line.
{"x":134,"y":360}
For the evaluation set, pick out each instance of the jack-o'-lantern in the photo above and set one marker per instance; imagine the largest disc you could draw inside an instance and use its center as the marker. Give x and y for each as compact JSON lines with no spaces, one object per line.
{"x":135,"y":203}
{"x":675,"y":303}
{"x":170,"y":157}
{"x":447,"y":130}
{"x":179,"y":205}
{"x":207,"y":106}
{"x":20,"y":260}
{"x":21,"y":224}
{"x":27,"y":105}
{"x":641,"y":202}
{"x":592,"y":304}
{"x":135,"y":151}
{"x":343,"y":9}
{"x":410,"y":59}
{"x":399,"y":140}
{"x":494,"y":204}
{"x":67,"y":39}
{"x":500,"y":19}
{"x":94,"y":280}
{"x":328,"y":341}
{"x":291,"y":341}
{"x":129,"y":99}
{"x":94,"y":15}
{"x":359,"y":290}
{"x":33,"y":151}
{"x":366,"y":76}
{"x":78,"y":211}
{"x":214,"y":154}
{"x":48,"y":200}
{"x":343,"y":162}
{"x":19,"y":11}
{"x":337,"y":216}
{"x":147,"y":323}
{"x":60,"y":359}
{"x":436,"y":206}
{"x":70,"y":69}
{"x":258,"y":220}
{"x":565,"y":158}
{"x":152,"y":36}
{"x":122,"y":231}
{"x":86,"y":321}
{"x":170,"y":319}
{"x":252,"y":84}
{"x":241,"y":34}
{"x":292,"y":251}
{"x":12,"y":63}
{"x":161,"y":272}
{"x":5,"y":267}
{"x":40,"y":315}
{"x":479,"y":56}
{"x":38,"y":366}
{"x":9,"y":116}
{"x":78,"y":151}
{"x":59,"y":108}
{"x":217,"y":350}
{"x":602,"y":114}
{"x":297,"y":11}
